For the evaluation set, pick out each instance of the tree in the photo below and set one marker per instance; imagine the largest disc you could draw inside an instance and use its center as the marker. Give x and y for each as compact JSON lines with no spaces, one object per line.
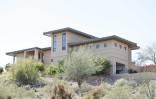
{"x":148,"y":54}
{"x":79,"y":65}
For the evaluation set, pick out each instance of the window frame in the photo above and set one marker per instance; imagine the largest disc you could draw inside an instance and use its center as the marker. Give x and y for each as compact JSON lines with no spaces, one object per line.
{"x":97,"y":46}
{"x":115,"y":44}
{"x":120,"y":46}
{"x":64,"y":41}
{"x":105,"y":45}
{"x":54,"y":42}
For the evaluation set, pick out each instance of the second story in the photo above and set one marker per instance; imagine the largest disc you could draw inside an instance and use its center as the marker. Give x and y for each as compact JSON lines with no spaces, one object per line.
{"x":62,"y":37}
{"x":110,"y":47}
{"x":67,"y":39}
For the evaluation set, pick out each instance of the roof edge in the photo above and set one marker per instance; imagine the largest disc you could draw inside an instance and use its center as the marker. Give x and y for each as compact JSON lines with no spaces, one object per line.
{"x":69,"y":30}
{"x":13,"y":53}
{"x":132,"y":45}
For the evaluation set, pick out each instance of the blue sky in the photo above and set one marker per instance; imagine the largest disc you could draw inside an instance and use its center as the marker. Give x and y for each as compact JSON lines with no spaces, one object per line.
{"x":22,"y":22}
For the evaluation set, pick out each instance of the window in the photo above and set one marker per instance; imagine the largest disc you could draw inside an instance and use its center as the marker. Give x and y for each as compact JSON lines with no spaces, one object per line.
{"x":63,"y":41}
{"x":97,"y":46}
{"x":105,"y":45}
{"x":52,"y":60}
{"x":115,"y":44}
{"x":120,"y":46}
{"x":54,"y":42}
{"x":125,"y":48}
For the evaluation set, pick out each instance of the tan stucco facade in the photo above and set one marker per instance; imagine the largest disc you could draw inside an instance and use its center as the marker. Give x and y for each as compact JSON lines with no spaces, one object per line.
{"x":59,"y":54}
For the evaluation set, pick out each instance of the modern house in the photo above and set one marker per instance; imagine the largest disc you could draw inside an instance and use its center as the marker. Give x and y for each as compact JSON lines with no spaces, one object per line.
{"x":116,"y":49}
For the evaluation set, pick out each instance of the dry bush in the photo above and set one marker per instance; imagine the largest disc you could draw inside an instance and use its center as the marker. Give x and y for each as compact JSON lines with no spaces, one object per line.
{"x":120,"y":90}
{"x":8,"y":88}
{"x":98,"y":93}
{"x":85,"y":88}
{"x":59,"y":89}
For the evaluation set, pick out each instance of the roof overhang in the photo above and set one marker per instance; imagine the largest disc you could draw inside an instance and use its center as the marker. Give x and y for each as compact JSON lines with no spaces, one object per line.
{"x":68,"y":29}
{"x":131,"y":45}
{"x":14,"y":53}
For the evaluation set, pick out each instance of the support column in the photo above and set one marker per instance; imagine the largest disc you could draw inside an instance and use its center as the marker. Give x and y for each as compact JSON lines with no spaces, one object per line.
{"x":13,"y":59}
{"x":114,"y":67}
{"x":25,"y":54}
{"x":36,"y":54}
{"x":113,"y":63}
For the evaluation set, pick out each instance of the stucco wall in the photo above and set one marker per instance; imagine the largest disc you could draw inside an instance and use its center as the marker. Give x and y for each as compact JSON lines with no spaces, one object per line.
{"x":72,"y":37}
{"x":59,"y":53}
{"x":47,"y":57}
{"x":19,"y":56}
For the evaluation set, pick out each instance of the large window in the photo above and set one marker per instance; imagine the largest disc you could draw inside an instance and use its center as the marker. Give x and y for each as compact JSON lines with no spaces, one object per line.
{"x":54,"y":42}
{"x":105,"y":45}
{"x":63,"y":41}
{"x":97,"y":46}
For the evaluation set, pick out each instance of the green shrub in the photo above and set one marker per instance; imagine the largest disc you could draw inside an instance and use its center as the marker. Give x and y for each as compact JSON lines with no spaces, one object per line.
{"x":61,"y":66}
{"x":78,"y":66}
{"x":39,"y":66}
{"x":52,"y":70}
{"x":1,"y":70}
{"x":25,"y":71}
{"x":105,"y":65}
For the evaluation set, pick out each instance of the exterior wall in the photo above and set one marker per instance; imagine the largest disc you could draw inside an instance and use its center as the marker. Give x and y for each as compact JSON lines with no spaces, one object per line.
{"x":19,"y":56}
{"x":59,"y":54}
{"x":72,"y":37}
{"x":112,"y":53}
{"x":47,"y":57}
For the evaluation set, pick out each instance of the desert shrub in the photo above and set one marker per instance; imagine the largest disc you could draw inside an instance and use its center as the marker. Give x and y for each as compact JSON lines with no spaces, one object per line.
{"x":98,"y":92}
{"x":25,"y":71}
{"x":147,"y":89}
{"x":78,"y":66}
{"x":9,"y":88}
{"x":120,"y":90}
{"x":121,"y":82}
{"x":59,"y":89}
{"x":61,"y":66}
{"x":39,"y":66}
{"x":52,"y":70}
{"x":132,"y":71}
{"x":1,"y":70}
{"x":85,"y":88}
{"x":105,"y":65}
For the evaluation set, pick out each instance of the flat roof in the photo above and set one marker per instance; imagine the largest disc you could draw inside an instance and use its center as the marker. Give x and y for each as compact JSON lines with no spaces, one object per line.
{"x":132,"y":45}
{"x":68,"y":29}
{"x":13,"y":53}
